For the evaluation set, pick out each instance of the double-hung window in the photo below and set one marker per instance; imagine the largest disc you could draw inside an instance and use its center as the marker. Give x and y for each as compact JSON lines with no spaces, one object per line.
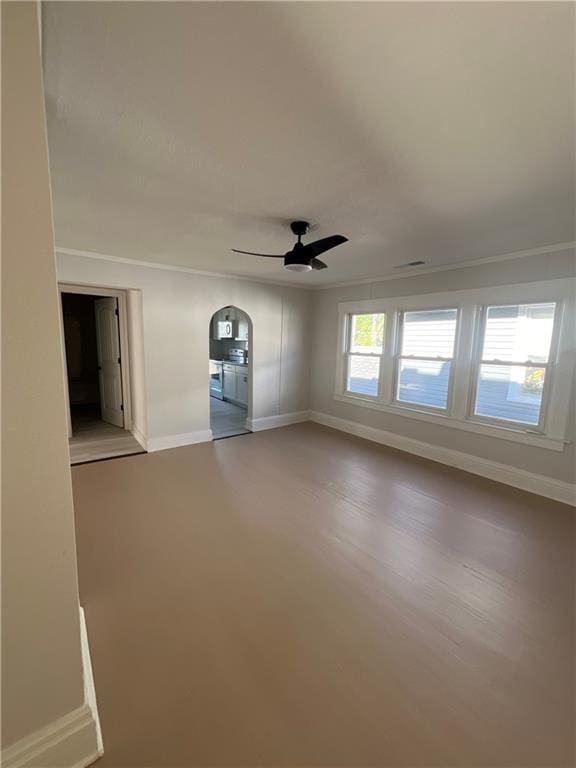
{"x":364,"y":348}
{"x":426,"y":340}
{"x":512,"y":363}
{"x":494,"y":361}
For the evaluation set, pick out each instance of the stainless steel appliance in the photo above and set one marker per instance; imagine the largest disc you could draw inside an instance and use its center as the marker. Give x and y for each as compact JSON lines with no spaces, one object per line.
{"x":226,"y":329}
{"x":216,"y":379}
{"x":238,"y":356}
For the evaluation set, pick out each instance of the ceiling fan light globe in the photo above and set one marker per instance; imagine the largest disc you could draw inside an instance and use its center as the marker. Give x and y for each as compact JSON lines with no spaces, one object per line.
{"x":298,"y":267}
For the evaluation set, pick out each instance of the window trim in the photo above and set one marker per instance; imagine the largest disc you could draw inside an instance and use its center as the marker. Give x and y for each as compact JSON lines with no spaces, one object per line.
{"x":469,"y":303}
{"x":348,"y":354}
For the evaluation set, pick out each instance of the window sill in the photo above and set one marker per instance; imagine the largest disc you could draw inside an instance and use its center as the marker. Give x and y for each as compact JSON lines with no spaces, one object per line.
{"x":503,"y":433}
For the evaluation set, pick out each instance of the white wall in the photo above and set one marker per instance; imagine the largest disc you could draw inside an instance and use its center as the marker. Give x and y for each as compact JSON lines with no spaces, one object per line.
{"x":177,"y":307}
{"x":42,"y":670}
{"x":553,"y":464}
{"x":135,"y":321}
{"x":294,"y":347}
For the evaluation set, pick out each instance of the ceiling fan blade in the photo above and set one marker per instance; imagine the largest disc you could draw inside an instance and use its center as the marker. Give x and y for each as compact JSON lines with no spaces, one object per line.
{"x":319,"y":246}
{"x":317,"y":264}
{"x":267,"y":255}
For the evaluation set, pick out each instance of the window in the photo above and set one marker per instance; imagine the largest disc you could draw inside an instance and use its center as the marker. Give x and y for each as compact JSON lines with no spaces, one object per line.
{"x":364,"y":353}
{"x":494,"y":361}
{"x":513,"y":367}
{"x":426,"y":348}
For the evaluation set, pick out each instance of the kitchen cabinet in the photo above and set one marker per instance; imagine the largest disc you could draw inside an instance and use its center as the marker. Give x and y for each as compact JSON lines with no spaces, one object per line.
{"x":235,"y":386}
{"x":214,"y":324}
{"x":229,"y":384}
{"x":243,"y":330}
{"x":242,"y":387}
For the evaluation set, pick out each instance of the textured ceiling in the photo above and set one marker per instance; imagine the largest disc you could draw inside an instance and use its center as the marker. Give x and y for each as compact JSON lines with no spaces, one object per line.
{"x":434,"y":131}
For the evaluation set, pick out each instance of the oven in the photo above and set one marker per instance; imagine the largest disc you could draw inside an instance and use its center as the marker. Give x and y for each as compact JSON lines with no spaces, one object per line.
{"x":216,"y":379}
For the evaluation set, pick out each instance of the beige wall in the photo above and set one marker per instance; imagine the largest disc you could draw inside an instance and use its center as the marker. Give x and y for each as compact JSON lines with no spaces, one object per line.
{"x":557,"y":465}
{"x":177,"y":307}
{"x":41,"y":664}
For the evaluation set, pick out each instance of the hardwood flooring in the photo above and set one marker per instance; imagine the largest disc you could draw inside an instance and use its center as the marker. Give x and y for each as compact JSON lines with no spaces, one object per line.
{"x":227,"y":419}
{"x":93,"y":440}
{"x":306,"y":598}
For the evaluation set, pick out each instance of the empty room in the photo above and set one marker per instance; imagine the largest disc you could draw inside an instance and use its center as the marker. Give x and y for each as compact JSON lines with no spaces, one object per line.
{"x":288,"y":391}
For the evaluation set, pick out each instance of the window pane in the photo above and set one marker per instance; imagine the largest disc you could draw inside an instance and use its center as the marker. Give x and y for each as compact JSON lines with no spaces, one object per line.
{"x":423,"y":382}
{"x":511,"y":392}
{"x":518,"y":333}
{"x":363,"y":374}
{"x":429,"y":333}
{"x":367,"y":334}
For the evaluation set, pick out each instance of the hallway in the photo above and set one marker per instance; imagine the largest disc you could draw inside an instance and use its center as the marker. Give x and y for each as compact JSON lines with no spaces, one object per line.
{"x":93,"y":440}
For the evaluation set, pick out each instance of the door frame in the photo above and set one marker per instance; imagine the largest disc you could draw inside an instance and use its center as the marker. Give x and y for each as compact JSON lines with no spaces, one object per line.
{"x":120,"y":295}
{"x":250,"y":340}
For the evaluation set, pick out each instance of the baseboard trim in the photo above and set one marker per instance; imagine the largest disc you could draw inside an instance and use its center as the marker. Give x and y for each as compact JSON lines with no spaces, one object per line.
{"x":72,"y":741}
{"x":502,"y":473}
{"x":140,"y":438}
{"x":89,"y":687}
{"x":69,"y":742}
{"x":177,"y":441}
{"x":281,"y":420}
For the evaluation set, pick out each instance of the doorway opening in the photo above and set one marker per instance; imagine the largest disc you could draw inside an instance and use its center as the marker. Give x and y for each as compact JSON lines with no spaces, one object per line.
{"x":97,"y":375}
{"x":230,"y":372}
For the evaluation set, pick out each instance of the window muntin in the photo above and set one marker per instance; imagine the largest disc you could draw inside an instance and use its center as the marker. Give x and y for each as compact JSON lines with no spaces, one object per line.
{"x":424,"y":363}
{"x":513,"y":366}
{"x":364,"y":349}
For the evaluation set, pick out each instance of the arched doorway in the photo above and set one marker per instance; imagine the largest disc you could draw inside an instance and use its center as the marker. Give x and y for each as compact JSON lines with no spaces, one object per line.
{"x":230,"y":372}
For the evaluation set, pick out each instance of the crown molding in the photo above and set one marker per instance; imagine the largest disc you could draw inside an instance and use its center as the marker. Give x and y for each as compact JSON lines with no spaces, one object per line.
{"x":416,"y":272}
{"x":175,"y":268}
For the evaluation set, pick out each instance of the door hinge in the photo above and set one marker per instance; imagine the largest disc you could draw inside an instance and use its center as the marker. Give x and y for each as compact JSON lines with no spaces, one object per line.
{"x":116,"y":311}
{"x":118,"y":361}
{"x":122,"y":406}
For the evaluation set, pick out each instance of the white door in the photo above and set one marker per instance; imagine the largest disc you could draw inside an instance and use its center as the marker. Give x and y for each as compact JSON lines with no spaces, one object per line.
{"x":109,"y":366}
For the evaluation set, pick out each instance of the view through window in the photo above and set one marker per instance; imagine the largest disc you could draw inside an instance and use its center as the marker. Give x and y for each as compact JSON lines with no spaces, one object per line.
{"x":513,"y":365}
{"x":425,"y":359}
{"x":364,"y":352}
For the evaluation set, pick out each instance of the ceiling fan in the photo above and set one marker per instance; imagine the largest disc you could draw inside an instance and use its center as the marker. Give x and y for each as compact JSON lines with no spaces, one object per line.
{"x":303,"y":258}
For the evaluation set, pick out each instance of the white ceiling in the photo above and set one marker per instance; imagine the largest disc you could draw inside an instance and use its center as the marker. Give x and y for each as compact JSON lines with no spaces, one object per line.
{"x":434,"y":131}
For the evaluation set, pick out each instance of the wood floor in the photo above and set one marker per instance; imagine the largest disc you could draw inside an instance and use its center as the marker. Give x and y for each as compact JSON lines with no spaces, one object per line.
{"x":227,"y":419}
{"x":306,"y":598}
{"x":93,"y":440}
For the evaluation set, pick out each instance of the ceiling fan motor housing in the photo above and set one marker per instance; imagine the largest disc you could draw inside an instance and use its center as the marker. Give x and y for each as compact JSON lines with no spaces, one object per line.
{"x":296,"y":261}
{"x":300,"y":228}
